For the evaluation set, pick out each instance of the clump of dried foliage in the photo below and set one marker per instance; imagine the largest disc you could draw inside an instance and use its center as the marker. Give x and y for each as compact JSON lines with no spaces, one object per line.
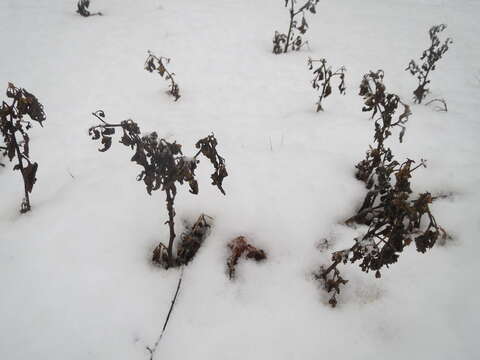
{"x":16,"y":142}
{"x":322,"y":77}
{"x":283,"y":42}
{"x":154,"y":63}
{"x":394,"y":221}
{"x":82,"y":8}
{"x":395,"y":218}
{"x":164,"y":168}
{"x":239,"y":247}
{"x":190,"y":241}
{"x":429,"y":57}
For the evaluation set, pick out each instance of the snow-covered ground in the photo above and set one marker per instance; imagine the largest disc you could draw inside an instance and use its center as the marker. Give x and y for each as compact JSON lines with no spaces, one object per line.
{"x":75,"y":277}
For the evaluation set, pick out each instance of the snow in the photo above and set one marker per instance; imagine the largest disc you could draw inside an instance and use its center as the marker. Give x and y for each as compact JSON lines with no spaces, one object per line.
{"x":75,"y":277}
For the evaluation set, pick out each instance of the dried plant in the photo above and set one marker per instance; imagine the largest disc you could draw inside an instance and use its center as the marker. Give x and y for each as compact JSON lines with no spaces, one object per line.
{"x":283,"y":42}
{"x":322,"y":77}
{"x":192,"y":239}
{"x":383,"y":106}
{"x":82,"y":8}
{"x":240,"y":246}
{"x":164,"y":168}
{"x":394,"y":221}
{"x":16,"y":142}
{"x":393,"y":216}
{"x":157,"y":64}
{"x":429,"y":57}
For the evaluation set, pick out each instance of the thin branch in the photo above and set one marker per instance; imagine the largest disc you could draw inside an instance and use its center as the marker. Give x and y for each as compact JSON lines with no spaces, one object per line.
{"x":155,"y":346}
{"x":439,"y":108}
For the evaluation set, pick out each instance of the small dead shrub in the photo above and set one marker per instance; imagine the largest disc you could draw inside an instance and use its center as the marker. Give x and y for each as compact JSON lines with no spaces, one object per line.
{"x":394,"y":221}
{"x":429,"y":57}
{"x":164,"y":167}
{"x":14,"y":129}
{"x":283,"y":42}
{"x":322,"y":77}
{"x":157,"y":64}
{"x":394,"y":217}
{"x":238,"y":247}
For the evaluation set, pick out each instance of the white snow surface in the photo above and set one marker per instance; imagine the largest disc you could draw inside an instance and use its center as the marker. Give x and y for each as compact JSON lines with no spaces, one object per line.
{"x":76,"y":281}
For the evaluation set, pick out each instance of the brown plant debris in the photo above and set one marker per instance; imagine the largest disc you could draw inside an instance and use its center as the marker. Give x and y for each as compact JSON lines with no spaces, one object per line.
{"x":238,"y":247}
{"x":192,"y":239}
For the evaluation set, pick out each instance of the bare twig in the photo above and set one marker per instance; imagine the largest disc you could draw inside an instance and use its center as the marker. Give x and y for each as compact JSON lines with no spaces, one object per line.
{"x":439,"y":108}
{"x":155,"y":346}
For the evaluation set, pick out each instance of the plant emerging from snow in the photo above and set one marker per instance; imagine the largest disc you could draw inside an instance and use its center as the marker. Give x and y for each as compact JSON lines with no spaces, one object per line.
{"x":157,"y":64}
{"x":430,"y":57}
{"x":283,"y":42}
{"x":322,"y":77}
{"x":394,"y":218}
{"x":14,"y":130}
{"x":394,"y":221}
{"x":164,"y":168}
{"x":383,"y":106}
{"x":82,"y":8}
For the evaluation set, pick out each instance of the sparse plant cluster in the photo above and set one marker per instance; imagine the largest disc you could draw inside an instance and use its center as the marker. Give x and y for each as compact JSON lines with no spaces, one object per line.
{"x":154,"y":63}
{"x":282,"y":43}
{"x":394,"y":217}
{"x":14,"y":128}
{"x":164,"y":168}
{"x":322,"y":77}
{"x":429,"y":57}
{"x":82,"y":8}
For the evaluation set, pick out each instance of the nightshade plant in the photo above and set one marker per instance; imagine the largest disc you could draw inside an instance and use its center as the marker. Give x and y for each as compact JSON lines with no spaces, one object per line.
{"x":429,"y":57}
{"x":394,"y":218}
{"x":154,"y":63}
{"x":14,"y":130}
{"x":164,"y":168}
{"x":82,"y":8}
{"x":322,"y":77}
{"x":394,"y":221}
{"x":283,"y":42}
{"x":383,"y":106}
